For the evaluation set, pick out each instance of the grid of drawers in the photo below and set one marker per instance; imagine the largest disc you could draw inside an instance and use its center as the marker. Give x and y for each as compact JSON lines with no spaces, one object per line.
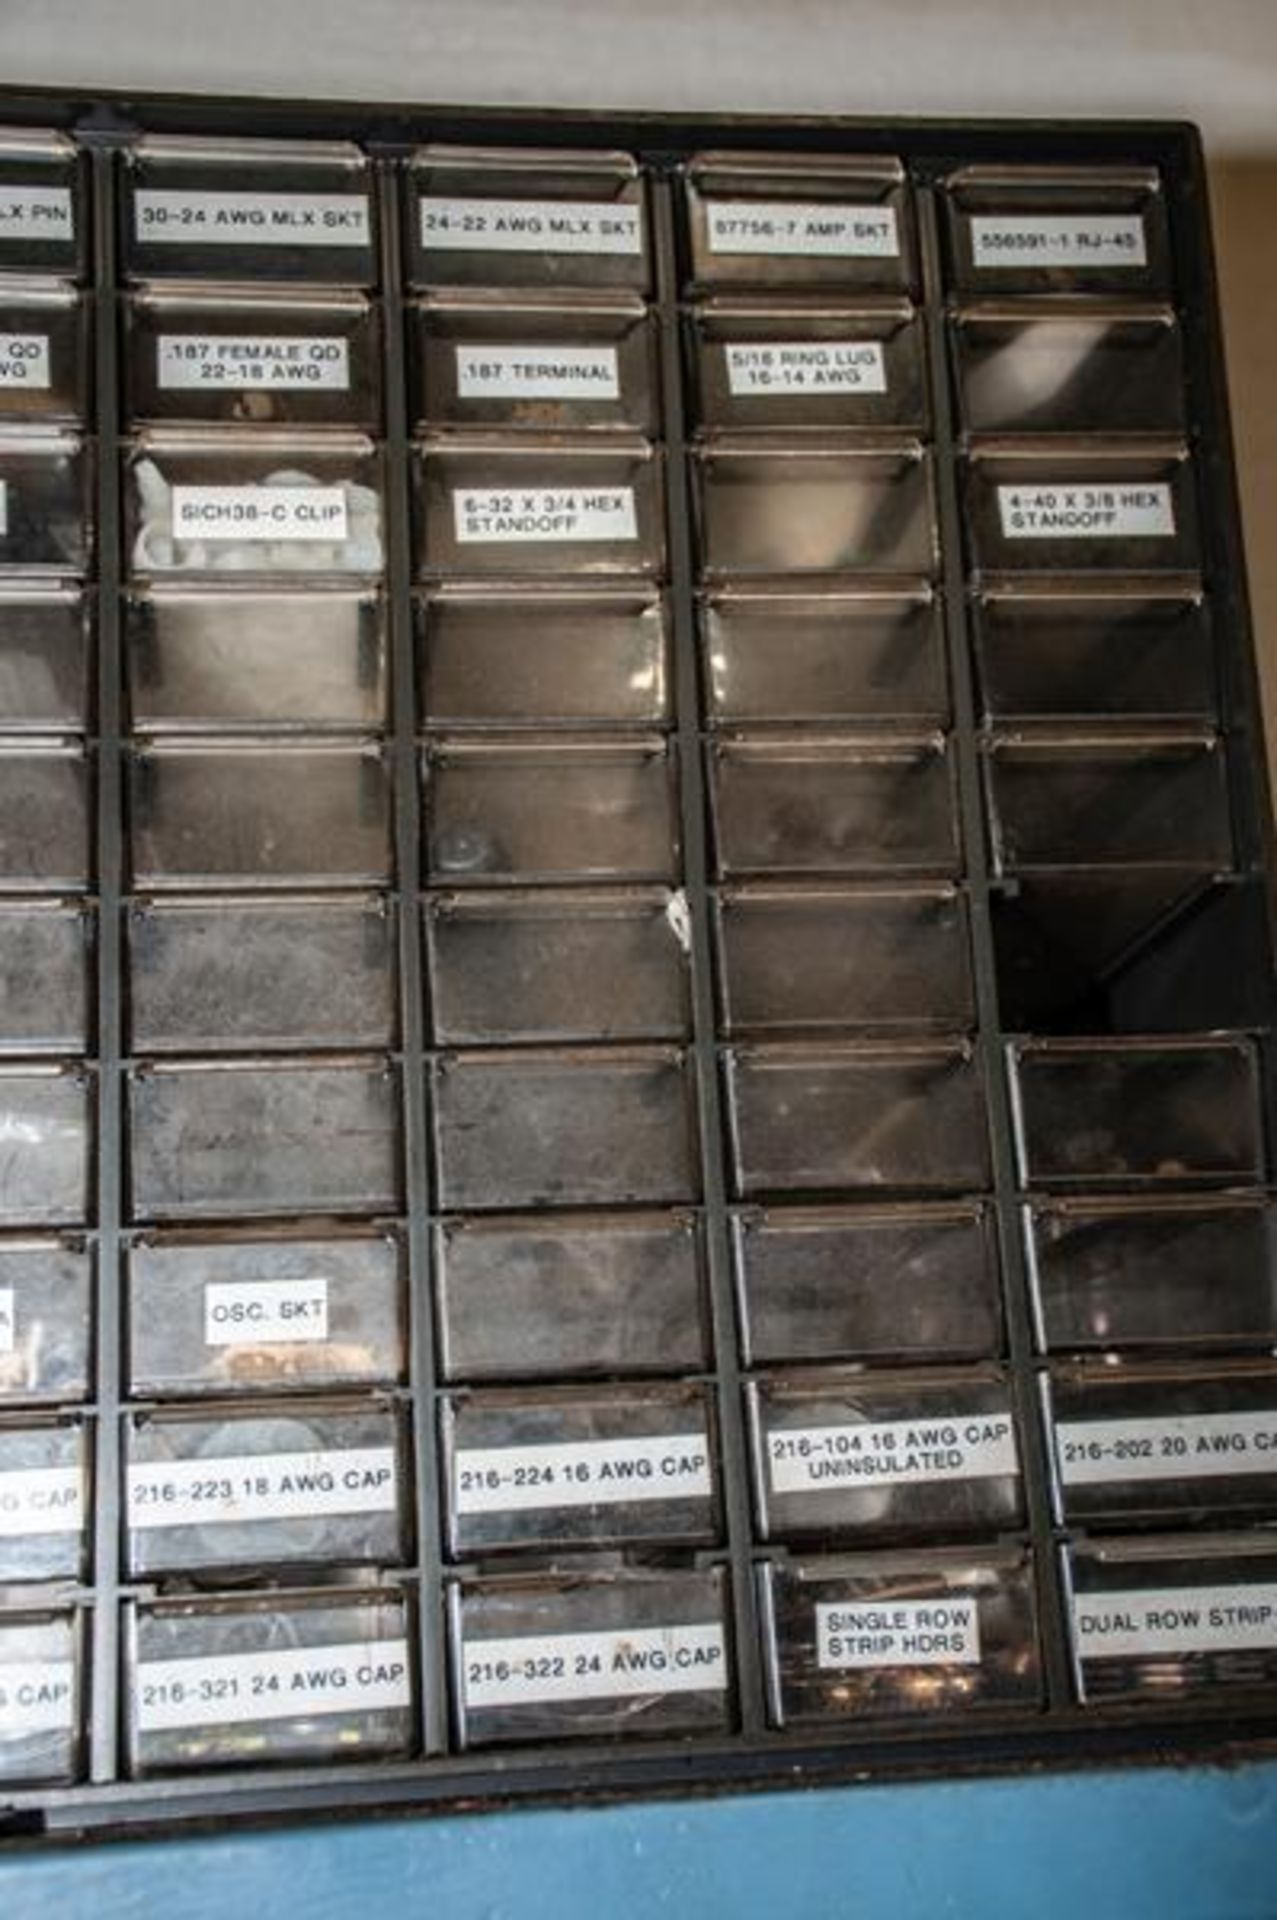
{"x":632,"y":1012}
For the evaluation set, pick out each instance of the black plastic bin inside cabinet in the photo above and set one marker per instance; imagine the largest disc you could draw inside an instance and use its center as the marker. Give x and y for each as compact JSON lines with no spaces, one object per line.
{"x":636,"y":969}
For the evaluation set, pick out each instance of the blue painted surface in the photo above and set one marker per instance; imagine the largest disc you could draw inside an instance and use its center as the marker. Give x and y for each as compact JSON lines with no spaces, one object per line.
{"x":1132,"y":1846}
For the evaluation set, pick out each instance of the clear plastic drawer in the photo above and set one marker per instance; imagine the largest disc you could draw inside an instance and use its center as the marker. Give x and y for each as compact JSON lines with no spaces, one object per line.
{"x":1067,"y":366}
{"x":45,"y":1515}
{"x":45,"y":951}
{"x":46,"y":1320}
{"x":46,"y":519}
{"x":768,"y":363}
{"x":1059,"y":652}
{"x":817,"y":220}
{"x":46,"y":1122}
{"x":41,"y":1687}
{"x":1091,"y":506}
{"x":45,"y":657}
{"x":44,"y":351}
{"x":815,"y":507}
{"x":550,"y":362}
{"x":1031,"y":229}
{"x":45,"y":217}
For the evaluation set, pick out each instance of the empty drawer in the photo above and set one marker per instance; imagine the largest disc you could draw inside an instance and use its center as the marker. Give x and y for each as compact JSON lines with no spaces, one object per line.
{"x":221,"y":657}
{"x":45,"y":521}
{"x":506,"y":657}
{"x":47,"y":1127}
{"x":573,"y":1297}
{"x":823,"y":804}
{"x":1069,"y":367}
{"x":791,"y":220}
{"x":1091,"y":507}
{"x":245,"y":973}
{"x":44,"y":1500}
{"x":888,"y":1635}
{"x":612,"y":1126}
{"x":44,"y":815}
{"x":236,"y":1315}
{"x":864,"y":958}
{"x":228,"y":813}
{"x":1057,"y":654}
{"x":299,"y":1677}
{"x":899,"y":1283}
{"x":1137,"y":1111}
{"x":926,"y":1455}
{"x":591,"y":1655}
{"x":310,"y":1485}
{"x":573,"y":1468}
{"x":775,"y":654}
{"x":46,"y":1320}
{"x":556,"y":361}
{"x":41,"y":1678}
{"x":767,"y":364}
{"x":1058,"y":229}
{"x":44,"y":354}
{"x":832,"y":1116}
{"x":557,"y":966}
{"x":263,"y":1137}
{"x":45,"y":946}
{"x":815,"y":507}
{"x":45,"y":654}
{"x":584,"y":808}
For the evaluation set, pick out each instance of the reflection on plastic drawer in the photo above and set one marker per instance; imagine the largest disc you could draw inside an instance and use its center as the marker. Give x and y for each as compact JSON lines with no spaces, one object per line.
{"x":1165,"y":1273}
{"x":44,"y":220}
{"x":893,"y":1634}
{"x":899,"y":1283}
{"x":43,"y":353}
{"x":1088,"y":505}
{"x":46,"y":1320}
{"x":44,"y":815}
{"x":1068,"y":367}
{"x":833,"y":803}
{"x":236,"y":813}
{"x":1136,"y":1111}
{"x":44,"y":501}
{"x":815,"y":508}
{"x":799,"y":220}
{"x":255,"y":357}
{"x":223,"y":658}
{"x":558,"y":966}
{"x":46,"y":1129}
{"x":44,"y":657}
{"x":505,"y":657}
{"x":249,"y":210}
{"x":40,"y":1678}
{"x":556,"y":361}
{"x":584,"y":808}
{"x":302,"y":1677}
{"x":857,"y":958}
{"x":234,"y":1314}
{"x":774,"y":654}
{"x":611,"y":1126}
{"x":835,"y":1115}
{"x":924,"y":1455}
{"x":593,"y":1655}
{"x":579,"y":1467}
{"x":1149,"y":1444}
{"x":309,"y":1485}
{"x":1156,"y":1621}
{"x":493,"y":506}
{"x":253,"y":502}
{"x":591,"y":1294}
{"x":761,"y":363}
{"x":44,"y":955}
{"x":1061,"y":800}
{"x":264,"y":1137}
{"x":526,"y":218}
{"x":243,"y":973}
{"x":1063,"y":652}
{"x":1058,"y":229}
{"x":44,"y":1500}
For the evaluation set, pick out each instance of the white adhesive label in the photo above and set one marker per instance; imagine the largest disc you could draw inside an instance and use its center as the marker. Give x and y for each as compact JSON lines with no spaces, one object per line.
{"x":1058,"y":240}
{"x":806,"y":366}
{"x":36,"y":213}
{"x":530,"y":226}
{"x":1170,"y":1620}
{"x":1090,"y":511}
{"x":615,"y":1665}
{"x":259,"y":513}
{"x":670,"y":1466}
{"x":36,"y":1696}
{"x":894,"y":1453}
{"x":40,"y":1500}
{"x":544,"y":514}
{"x":820,"y":228}
{"x":537,"y":373}
{"x":8,"y":1320}
{"x":255,"y":361}
{"x":897,"y":1633}
{"x":240,"y":1311}
{"x":221,"y":1689}
{"x":262,"y":1486}
{"x":1194,"y":1445}
{"x":251,"y":219}
{"x":24,"y":361}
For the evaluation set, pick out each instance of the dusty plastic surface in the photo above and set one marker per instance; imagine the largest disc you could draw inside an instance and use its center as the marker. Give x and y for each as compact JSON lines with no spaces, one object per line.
{"x":46,"y":947}
{"x":46,"y":1320}
{"x":45,"y":1469}
{"x":550,"y":362}
{"x":45,"y":656}
{"x":40,"y":1687}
